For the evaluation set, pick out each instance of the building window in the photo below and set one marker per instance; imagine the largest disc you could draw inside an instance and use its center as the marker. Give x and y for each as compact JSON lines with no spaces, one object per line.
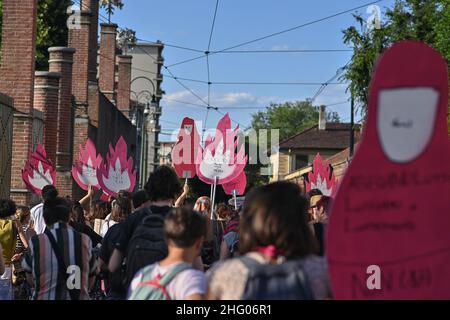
{"x":301,"y":161}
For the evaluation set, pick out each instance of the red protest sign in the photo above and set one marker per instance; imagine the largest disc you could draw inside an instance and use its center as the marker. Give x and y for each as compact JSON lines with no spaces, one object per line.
{"x":185,"y":151}
{"x":388,"y":229}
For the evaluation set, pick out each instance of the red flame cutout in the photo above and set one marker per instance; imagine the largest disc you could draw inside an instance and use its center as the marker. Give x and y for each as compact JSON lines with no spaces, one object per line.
{"x":321,"y":177}
{"x":220,"y":159}
{"x":39,"y":171}
{"x":185,"y":151}
{"x":118,"y":172}
{"x":84,"y":171}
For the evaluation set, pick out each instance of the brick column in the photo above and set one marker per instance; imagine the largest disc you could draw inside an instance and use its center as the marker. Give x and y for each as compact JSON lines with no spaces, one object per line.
{"x":107,"y":59}
{"x":124,"y":84}
{"x":46,"y":97}
{"x":61,"y":61}
{"x":93,"y":7}
{"x":17,"y":81}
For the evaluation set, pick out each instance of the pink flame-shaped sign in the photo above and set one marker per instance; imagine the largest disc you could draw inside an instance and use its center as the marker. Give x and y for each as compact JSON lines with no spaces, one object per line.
{"x":117,"y":173}
{"x":39,"y":171}
{"x":84,"y":171}
{"x":321,"y":177}
{"x":220,"y":158}
{"x":238,"y":185}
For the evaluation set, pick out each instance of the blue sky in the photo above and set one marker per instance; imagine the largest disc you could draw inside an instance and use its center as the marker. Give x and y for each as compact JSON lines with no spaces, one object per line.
{"x":188,"y":23}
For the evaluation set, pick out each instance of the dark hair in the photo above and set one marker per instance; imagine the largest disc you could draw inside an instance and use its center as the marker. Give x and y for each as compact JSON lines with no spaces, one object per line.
{"x":7,"y":208}
{"x":276,"y":214}
{"x":325,"y":202}
{"x":99,"y":210}
{"x":224,"y":211}
{"x":78,"y":213}
{"x":56,"y":210}
{"x":49,"y":192}
{"x":314,"y":192}
{"x":139,"y":198}
{"x":22,"y":213}
{"x":163,"y":184}
{"x":124,"y":205}
{"x":125,"y":194}
{"x":183,"y":227}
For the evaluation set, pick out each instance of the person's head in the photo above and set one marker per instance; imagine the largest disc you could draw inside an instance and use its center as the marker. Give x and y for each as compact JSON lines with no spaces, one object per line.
{"x":313,"y":214}
{"x":163,"y":185}
{"x":49,"y":192}
{"x":140,"y":198}
{"x":23,"y":214}
{"x":203,"y":204}
{"x":185,"y":229}
{"x":314,"y":192}
{"x":125,"y":194}
{"x":7,"y":208}
{"x":98,"y":210}
{"x":224,"y":211}
{"x":77,"y":213}
{"x":121,"y":208}
{"x":56,"y":210}
{"x":322,"y":208}
{"x":275,"y":215}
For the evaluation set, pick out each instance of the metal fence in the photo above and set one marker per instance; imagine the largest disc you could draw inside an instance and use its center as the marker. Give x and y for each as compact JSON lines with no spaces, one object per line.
{"x":6,"y":135}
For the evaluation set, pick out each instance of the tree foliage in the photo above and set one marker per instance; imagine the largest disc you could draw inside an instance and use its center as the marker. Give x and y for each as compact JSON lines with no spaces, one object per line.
{"x":424,"y":20}
{"x":289,"y":118}
{"x":51,"y":28}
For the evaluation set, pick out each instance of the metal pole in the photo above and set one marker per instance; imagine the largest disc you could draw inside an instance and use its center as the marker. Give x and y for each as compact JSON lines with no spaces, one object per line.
{"x":352,"y":123}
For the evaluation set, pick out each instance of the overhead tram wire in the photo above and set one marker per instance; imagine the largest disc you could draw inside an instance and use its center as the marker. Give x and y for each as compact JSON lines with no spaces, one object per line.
{"x":208,"y":69}
{"x":278,"y":33}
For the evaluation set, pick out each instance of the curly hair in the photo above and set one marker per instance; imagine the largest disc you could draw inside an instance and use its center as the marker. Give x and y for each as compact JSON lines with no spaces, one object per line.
{"x":163,"y":184}
{"x":7,"y":208}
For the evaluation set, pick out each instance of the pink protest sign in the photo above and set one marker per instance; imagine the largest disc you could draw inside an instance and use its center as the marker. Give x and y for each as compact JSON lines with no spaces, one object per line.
{"x":238,"y":185}
{"x":186,"y":149}
{"x":39,"y":171}
{"x":388,"y":229}
{"x":117,"y":173}
{"x":222,"y":157}
{"x":321,"y":177}
{"x":84,"y":172}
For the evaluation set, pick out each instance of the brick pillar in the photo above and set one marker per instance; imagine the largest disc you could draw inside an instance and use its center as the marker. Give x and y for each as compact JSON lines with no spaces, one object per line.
{"x":17,"y":81}
{"x":79,"y":39}
{"x":46,"y":97}
{"x":107,"y":59}
{"x":61,"y":61}
{"x":124,"y":84}
{"x":93,"y":7}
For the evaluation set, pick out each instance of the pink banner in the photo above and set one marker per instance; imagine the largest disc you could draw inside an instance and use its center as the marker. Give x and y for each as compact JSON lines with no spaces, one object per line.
{"x":84,"y":172}
{"x":185,"y":151}
{"x":117,"y":173}
{"x":39,"y":171}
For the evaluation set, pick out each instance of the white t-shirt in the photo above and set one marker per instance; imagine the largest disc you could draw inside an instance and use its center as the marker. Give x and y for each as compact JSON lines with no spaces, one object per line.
{"x":37,"y":215}
{"x":185,"y":283}
{"x":108,"y":223}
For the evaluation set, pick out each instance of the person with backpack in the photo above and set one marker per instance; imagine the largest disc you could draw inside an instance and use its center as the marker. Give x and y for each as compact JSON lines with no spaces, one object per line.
{"x":174,"y":277}
{"x":277,"y":251}
{"x":140,"y":239}
{"x":57,"y":254}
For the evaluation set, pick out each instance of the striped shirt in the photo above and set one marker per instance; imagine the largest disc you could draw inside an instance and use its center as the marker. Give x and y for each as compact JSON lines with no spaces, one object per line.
{"x":40,"y":260}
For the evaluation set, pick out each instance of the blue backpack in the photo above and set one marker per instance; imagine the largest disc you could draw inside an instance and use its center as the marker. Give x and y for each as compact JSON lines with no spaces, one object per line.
{"x":286,"y":281}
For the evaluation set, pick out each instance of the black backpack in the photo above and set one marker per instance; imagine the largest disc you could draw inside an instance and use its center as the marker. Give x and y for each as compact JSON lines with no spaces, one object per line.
{"x":146,"y":246}
{"x":285,"y":281}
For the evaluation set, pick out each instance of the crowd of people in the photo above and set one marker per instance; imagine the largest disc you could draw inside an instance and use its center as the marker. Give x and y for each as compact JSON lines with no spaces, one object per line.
{"x":153,"y":245}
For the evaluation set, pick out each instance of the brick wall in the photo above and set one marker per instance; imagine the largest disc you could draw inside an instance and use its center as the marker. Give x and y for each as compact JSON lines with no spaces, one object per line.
{"x":107,"y":59}
{"x":17,"y":81}
{"x":124,"y":84}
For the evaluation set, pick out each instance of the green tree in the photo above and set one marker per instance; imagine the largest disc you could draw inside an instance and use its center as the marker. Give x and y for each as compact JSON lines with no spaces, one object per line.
{"x":51,"y":28}
{"x":423,"y":20}
{"x":289,"y":118}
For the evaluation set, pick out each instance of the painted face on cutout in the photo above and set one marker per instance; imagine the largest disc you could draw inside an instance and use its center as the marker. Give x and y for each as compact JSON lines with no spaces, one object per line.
{"x":388,"y":228}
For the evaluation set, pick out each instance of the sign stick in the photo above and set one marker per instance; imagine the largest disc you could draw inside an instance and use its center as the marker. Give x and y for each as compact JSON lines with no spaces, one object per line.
{"x":235,"y":200}
{"x":213,"y":196}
